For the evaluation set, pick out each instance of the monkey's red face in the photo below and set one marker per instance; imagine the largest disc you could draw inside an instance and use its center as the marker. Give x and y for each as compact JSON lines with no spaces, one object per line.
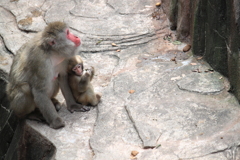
{"x":73,"y":38}
{"x":78,"y":69}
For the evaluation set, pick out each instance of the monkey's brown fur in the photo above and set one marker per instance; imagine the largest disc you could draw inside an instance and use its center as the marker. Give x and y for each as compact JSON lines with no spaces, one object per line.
{"x":38,"y":69}
{"x":81,"y":86}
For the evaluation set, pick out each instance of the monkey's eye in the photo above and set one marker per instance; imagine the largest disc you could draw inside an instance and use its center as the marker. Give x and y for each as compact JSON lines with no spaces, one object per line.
{"x":67,"y":32}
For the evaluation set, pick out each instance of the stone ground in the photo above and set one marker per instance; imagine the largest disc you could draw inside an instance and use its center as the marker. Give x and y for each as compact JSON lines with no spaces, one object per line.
{"x":157,"y":100}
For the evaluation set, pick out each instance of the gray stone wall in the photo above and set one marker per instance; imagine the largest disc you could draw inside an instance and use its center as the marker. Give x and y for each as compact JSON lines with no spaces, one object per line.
{"x":212,"y":27}
{"x":18,"y":140}
{"x":8,"y":122}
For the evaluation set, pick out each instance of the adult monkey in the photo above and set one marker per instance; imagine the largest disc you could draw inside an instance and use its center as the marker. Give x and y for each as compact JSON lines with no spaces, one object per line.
{"x":38,"y":69}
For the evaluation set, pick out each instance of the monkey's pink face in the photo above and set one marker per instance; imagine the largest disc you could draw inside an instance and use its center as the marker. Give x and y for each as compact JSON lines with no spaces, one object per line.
{"x":73,"y":38}
{"x":78,"y":69}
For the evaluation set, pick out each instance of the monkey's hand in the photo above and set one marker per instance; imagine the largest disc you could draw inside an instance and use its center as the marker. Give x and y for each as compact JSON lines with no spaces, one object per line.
{"x":78,"y":108}
{"x":90,"y":71}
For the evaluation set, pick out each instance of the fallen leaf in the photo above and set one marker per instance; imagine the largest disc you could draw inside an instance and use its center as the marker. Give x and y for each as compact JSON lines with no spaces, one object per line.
{"x":131,"y":91}
{"x":104,"y":85}
{"x":114,"y":45}
{"x":176,"y":42}
{"x":174,"y":59}
{"x":221,"y":78}
{"x":158,"y":146}
{"x":187,"y":48}
{"x":197,"y":70}
{"x":193,"y":64}
{"x":199,"y":58}
{"x":158,"y":4}
{"x":209,"y":70}
{"x":168,"y":36}
{"x":118,"y":50}
{"x":98,"y":42}
{"x":134,"y":153}
{"x":175,"y":78}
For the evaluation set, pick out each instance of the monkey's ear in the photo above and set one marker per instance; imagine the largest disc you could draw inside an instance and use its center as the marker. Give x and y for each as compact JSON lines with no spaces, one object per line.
{"x":47,"y":43}
{"x":52,"y":42}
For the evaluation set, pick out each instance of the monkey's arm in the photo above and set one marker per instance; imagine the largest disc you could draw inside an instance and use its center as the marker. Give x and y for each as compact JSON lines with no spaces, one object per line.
{"x":86,"y":79}
{"x":84,"y":82}
{"x":71,"y":103}
{"x":47,"y":108}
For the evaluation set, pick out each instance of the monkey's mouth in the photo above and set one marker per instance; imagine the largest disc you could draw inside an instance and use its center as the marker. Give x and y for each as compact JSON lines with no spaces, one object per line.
{"x":79,"y":73}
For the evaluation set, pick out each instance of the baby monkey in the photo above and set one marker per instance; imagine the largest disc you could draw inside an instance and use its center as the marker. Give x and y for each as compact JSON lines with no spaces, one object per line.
{"x":80,"y":82}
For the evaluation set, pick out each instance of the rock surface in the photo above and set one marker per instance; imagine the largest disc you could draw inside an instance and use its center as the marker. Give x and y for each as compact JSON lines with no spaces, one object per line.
{"x":213,"y":29}
{"x":154,"y":102}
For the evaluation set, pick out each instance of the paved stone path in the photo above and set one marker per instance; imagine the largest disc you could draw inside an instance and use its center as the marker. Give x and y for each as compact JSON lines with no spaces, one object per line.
{"x":157,"y":100}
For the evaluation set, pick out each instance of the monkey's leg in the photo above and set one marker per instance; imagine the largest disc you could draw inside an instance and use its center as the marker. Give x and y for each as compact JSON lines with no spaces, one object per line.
{"x":55,"y":102}
{"x":70,"y":101}
{"x":90,"y":97}
{"x":95,"y":99}
{"x":21,"y":100}
{"x":36,"y":115}
{"x":83,"y":98}
{"x":47,"y":109}
{"x":98,"y":95}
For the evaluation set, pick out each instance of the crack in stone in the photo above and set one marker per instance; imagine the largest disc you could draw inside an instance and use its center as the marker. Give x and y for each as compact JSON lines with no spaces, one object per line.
{"x":43,"y":11}
{"x":15,"y":20}
{"x":109,"y":5}
{"x":133,"y":123}
{"x":121,"y":39}
{"x":82,"y":16}
{"x":43,"y":4}
{"x":234,"y":151}
{"x":93,"y":153}
{"x":219,"y":151}
{"x":6,"y":122}
{"x":77,"y":30}
{"x":5,"y":46}
{"x":95,"y":124}
{"x":153,"y":84}
{"x":5,"y":108}
{"x":199,"y":92}
{"x":115,"y":57}
{"x":138,"y":41}
{"x":128,"y":14}
{"x":231,"y":148}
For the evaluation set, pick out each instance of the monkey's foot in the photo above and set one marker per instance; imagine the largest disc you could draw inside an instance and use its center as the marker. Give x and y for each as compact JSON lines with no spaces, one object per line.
{"x":57,"y":123}
{"x":99,"y":95}
{"x":36,"y":115}
{"x":57,"y":104}
{"x":78,"y":108}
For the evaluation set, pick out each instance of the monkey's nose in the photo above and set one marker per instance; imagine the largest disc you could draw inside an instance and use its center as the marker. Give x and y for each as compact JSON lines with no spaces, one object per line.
{"x":78,"y":41}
